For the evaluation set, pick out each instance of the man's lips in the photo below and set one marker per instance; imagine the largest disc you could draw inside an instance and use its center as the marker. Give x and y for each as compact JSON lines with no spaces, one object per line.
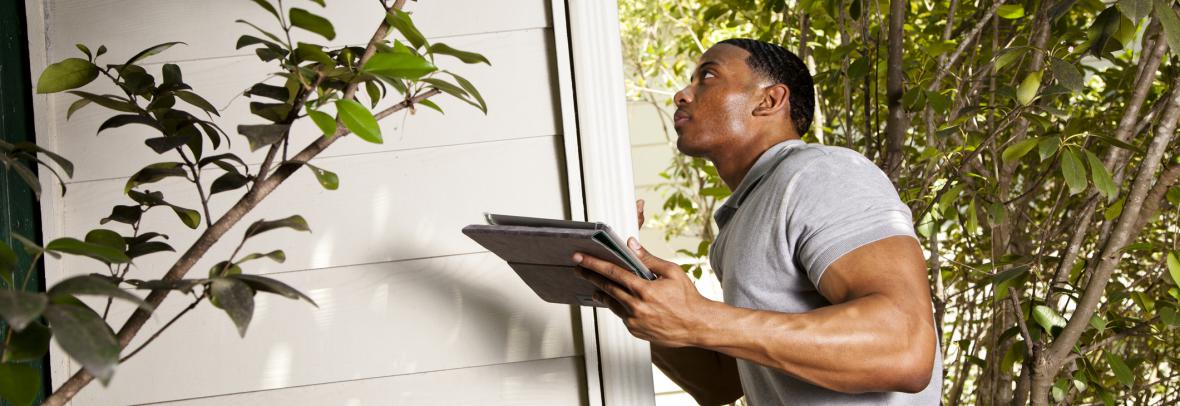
{"x":680,"y":117}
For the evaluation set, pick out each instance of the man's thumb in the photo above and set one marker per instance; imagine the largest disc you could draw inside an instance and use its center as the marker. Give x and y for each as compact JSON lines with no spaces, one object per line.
{"x":644,"y":256}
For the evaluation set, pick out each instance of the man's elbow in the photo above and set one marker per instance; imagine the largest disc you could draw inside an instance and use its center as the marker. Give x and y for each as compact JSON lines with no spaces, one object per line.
{"x":916,"y":370}
{"x":718,"y":398}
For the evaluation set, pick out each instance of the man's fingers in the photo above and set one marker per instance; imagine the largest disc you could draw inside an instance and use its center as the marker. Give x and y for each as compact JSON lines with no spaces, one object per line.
{"x":609,"y":271}
{"x":614,"y":305}
{"x":639,"y":211}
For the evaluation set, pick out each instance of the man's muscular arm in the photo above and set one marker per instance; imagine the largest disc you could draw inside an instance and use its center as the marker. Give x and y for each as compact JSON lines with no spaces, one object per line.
{"x":878,"y":334}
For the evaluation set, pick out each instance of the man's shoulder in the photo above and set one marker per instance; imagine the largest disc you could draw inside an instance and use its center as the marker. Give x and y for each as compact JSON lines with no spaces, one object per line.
{"x":830,"y":161}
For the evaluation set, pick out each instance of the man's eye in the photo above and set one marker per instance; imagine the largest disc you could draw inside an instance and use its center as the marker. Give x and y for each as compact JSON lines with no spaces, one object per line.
{"x":707,"y":74}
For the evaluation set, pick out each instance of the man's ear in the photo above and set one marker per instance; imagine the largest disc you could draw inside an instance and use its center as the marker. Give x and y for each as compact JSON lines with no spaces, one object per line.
{"x":775,"y":100}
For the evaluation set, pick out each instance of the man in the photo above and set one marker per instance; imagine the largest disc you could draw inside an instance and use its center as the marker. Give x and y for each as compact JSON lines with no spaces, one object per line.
{"x":826,"y":296}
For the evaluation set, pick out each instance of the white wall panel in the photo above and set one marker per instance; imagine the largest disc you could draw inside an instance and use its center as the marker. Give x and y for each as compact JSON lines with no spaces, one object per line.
{"x":374,"y":320}
{"x":390,"y":206}
{"x":520,"y":88}
{"x":208,"y":27}
{"x":410,"y":309}
{"x":541,"y":383}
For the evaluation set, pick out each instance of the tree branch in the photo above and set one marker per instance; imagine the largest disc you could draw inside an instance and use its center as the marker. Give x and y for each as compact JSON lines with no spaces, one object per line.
{"x":261,"y":189}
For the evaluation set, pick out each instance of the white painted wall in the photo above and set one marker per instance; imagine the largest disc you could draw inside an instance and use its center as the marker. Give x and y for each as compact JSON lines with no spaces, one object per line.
{"x":411,"y":311}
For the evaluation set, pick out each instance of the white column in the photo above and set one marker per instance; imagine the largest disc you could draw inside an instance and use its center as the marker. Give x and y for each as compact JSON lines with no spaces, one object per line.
{"x":608,"y":185}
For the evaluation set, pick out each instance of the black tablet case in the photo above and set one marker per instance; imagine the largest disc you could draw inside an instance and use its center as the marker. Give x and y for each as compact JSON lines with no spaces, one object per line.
{"x":541,"y":251}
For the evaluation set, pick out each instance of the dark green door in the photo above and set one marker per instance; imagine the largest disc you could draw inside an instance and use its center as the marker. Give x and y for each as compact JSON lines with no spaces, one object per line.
{"x":18,"y":207}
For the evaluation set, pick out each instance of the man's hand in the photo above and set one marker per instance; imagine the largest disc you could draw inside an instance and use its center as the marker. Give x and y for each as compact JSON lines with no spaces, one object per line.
{"x":639,"y":211}
{"x":667,"y":311}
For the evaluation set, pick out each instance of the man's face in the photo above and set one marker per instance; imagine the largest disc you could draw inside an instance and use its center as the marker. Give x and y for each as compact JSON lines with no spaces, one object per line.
{"x":714,"y":110}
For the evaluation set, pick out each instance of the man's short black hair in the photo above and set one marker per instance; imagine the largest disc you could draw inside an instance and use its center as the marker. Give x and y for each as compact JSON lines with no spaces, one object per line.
{"x":782,"y":66}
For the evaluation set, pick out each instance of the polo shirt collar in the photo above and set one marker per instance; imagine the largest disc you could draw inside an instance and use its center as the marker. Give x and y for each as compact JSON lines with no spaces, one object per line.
{"x":763,"y":165}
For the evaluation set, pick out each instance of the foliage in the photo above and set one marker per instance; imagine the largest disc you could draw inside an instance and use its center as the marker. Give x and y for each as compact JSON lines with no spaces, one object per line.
{"x":1038,"y":158}
{"x":314,"y":80}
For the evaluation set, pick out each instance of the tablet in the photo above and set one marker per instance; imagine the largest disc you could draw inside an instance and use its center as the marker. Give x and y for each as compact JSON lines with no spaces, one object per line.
{"x":541,"y":252}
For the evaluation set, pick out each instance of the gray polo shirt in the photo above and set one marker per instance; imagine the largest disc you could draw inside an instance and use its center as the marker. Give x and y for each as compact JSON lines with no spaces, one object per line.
{"x":801,"y":207}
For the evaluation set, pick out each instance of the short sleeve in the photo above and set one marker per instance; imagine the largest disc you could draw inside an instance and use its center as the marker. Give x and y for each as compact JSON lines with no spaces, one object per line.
{"x":838,"y":203}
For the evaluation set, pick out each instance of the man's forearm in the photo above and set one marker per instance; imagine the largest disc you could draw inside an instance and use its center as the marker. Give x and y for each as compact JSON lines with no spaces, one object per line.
{"x":844,"y":347}
{"x":710,"y":377}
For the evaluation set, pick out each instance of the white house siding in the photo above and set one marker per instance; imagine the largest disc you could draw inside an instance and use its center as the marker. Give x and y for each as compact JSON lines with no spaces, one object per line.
{"x":410,"y":310}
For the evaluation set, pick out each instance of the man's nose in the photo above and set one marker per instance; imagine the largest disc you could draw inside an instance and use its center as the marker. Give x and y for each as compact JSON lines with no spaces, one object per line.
{"x":683,"y":97}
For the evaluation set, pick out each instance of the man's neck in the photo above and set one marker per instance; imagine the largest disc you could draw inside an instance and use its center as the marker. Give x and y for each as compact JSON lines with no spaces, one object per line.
{"x":734,"y":163}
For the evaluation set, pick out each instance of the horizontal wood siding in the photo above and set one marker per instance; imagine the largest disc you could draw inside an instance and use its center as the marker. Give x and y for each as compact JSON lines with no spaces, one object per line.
{"x":409,"y":308}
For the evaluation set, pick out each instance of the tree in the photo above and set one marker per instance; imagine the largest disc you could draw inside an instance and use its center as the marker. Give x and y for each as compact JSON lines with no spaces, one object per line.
{"x":1035,"y":144}
{"x":314,"y":80}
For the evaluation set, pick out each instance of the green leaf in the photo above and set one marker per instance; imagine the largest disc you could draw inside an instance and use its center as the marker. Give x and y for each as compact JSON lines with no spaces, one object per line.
{"x":309,"y":21}
{"x":471,"y":90}
{"x":150,"y":247}
{"x":295,"y":222}
{"x":430,"y":104}
{"x":1174,"y":267}
{"x":325,"y":122}
{"x":85,"y":337}
{"x":398,"y":65}
{"x":1047,"y":318}
{"x":123,"y":214}
{"x":1019,"y":150}
{"x":102,"y":253}
{"x":189,"y":217}
{"x":262,"y":135}
{"x":1067,"y":74}
{"x":1102,"y":179}
{"x":1073,"y":170}
{"x":1007,"y":56}
{"x":1170,"y":317}
{"x":183,"y":285}
{"x":70,"y":73}
{"x":402,"y":22}
{"x":75,"y":106}
{"x":109,"y":101}
{"x":144,"y":54}
{"x":197,"y":101}
{"x":1028,"y":88}
{"x":261,"y":31}
{"x":19,"y":308}
{"x":1011,"y":11}
{"x":1098,"y":323}
{"x":172,"y":74}
{"x":1114,"y":210}
{"x":227,"y":182}
{"x":264,"y":284}
{"x":224,"y":268}
{"x":154,"y":173}
{"x":268,"y":7}
{"x":1135,"y":9}
{"x":858,"y":68}
{"x":20,"y":384}
{"x":125,"y":119}
{"x":106,"y":238}
{"x":276,"y":255}
{"x":29,"y":344}
{"x":466,"y":57}
{"x":359,"y":120}
{"x":8,"y":259}
{"x":328,"y":179}
{"x":1120,"y":369}
{"x":374,"y":92}
{"x":315,"y":53}
{"x":95,"y":286}
{"x":1171,"y":23}
{"x":237,"y":299}
{"x":1115,"y":142}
